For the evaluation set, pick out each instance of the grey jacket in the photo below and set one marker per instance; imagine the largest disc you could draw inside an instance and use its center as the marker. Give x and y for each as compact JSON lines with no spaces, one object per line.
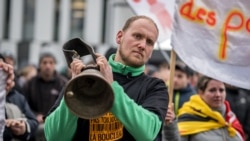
{"x":170,"y":132}
{"x":220,"y":134}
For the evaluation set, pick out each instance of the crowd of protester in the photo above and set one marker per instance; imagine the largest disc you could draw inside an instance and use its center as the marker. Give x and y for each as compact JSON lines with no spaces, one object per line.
{"x":38,"y":86}
{"x":202,"y":108}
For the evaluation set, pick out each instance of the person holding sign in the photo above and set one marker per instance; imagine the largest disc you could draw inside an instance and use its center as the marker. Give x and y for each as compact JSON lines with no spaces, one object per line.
{"x":170,"y":131}
{"x":140,"y":102}
{"x":208,"y":116}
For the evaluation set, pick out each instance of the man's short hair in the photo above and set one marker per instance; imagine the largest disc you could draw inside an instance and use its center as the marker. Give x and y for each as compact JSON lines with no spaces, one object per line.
{"x":137,"y":17}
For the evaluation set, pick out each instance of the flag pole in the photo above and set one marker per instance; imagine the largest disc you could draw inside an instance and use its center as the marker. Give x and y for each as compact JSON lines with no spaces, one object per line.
{"x":171,"y":78}
{"x":171,"y":82}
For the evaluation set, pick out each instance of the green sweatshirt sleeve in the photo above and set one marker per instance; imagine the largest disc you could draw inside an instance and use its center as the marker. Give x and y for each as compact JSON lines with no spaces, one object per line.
{"x":61,"y":124}
{"x":142,"y":124}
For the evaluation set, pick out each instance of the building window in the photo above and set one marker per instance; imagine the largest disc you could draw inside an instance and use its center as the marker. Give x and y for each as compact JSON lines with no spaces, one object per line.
{"x":6,"y":20}
{"x":77,"y":18}
{"x":28,"y":20}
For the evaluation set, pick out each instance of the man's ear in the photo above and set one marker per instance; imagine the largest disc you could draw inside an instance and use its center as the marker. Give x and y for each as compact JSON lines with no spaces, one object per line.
{"x":118,"y":37}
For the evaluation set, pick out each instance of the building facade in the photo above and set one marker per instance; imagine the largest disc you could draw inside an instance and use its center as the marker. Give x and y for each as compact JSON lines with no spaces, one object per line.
{"x":29,"y":27}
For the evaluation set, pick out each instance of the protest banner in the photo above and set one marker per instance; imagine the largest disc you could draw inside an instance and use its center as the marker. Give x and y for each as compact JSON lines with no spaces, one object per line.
{"x":213,"y":38}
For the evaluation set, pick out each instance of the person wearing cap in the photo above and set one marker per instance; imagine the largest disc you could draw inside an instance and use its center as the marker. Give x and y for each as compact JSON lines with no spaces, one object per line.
{"x":42,"y":90}
{"x":182,"y":88}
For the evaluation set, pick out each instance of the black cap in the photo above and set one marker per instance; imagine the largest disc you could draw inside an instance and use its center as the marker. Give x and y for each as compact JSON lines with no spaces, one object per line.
{"x":46,"y":54}
{"x":181,"y":66}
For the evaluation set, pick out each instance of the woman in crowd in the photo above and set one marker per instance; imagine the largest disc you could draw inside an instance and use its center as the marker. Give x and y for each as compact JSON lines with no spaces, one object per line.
{"x":208,"y":116}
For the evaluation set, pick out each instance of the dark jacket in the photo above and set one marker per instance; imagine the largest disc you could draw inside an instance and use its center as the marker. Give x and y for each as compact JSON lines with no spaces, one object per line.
{"x":137,"y":113}
{"x":239,"y":100}
{"x":41,"y":95}
{"x":138,"y":92}
{"x":19,"y":100}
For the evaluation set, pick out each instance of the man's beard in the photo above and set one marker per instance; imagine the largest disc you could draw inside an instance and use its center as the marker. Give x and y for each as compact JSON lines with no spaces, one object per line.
{"x":127,"y":60}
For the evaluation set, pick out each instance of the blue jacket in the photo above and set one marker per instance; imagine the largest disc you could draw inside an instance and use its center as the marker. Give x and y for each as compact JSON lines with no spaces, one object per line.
{"x":184,"y":95}
{"x":19,"y":100}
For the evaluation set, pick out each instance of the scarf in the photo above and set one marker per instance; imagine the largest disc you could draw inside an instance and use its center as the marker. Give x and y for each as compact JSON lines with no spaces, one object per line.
{"x":196,"y":116}
{"x":123,"y":69}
